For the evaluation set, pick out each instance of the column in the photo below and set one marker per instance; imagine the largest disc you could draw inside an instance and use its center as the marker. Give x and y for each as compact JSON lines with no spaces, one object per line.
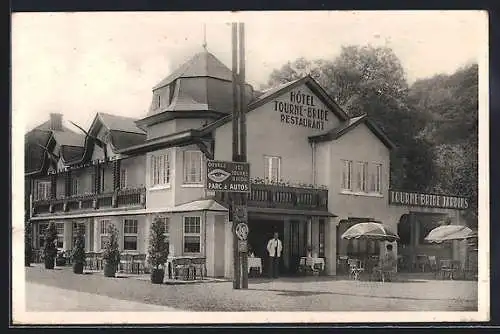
{"x":116,"y":175}
{"x":309,"y":242}
{"x":228,"y":253}
{"x":53,"y":186}
{"x":286,"y":243}
{"x":97,"y":179}
{"x":87,"y":235}
{"x":331,"y":245}
{"x":67,"y":183}
{"x":97,"y":235}
{"x":68,"y":235}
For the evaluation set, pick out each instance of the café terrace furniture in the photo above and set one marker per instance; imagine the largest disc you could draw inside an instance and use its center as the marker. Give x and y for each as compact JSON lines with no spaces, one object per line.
{"x":255,"y":263}
{"x":315,"y":265}
{"x":186,"y":267}
{"x":449,"y":268}
{"x":342,"y":265}
{"x":355,"y":268}
{"x":138,"y":264}
{"x":433,"y":264}
{"x":91,"y":262}
{"x":127,"y":262}
{"x":421,"y":262}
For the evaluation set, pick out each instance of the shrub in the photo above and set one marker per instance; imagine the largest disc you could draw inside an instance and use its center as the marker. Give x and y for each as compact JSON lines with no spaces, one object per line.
{"x":78,"y":252}
{"x":111,"y":253}
{"x":28,"y":251}
{"x":158,"y":246}
{"x":49,"y":248}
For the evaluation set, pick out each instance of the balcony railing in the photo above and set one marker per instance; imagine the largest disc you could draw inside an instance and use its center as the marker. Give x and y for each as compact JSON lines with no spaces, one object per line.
{"x":134,"y":197}
{"x":284,"y":197}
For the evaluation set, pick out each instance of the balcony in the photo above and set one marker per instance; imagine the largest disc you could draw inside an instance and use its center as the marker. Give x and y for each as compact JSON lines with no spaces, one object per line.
{"x":284,"y":197}
{"x":125,"y":198}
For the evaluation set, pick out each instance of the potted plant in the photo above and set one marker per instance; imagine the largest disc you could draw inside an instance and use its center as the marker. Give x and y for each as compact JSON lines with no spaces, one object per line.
{"x":78,"y":252}
{"x":28,"y":251}
{"x":111,"y":253}
{"x":49,"y":248}
{"x":157,"y":251}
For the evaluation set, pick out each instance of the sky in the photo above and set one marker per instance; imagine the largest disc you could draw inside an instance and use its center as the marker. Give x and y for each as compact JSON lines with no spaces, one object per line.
{"x":78,"y":64}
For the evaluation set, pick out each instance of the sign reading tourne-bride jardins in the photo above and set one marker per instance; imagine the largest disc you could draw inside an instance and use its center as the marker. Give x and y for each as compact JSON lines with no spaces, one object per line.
{"x":428,"y":200}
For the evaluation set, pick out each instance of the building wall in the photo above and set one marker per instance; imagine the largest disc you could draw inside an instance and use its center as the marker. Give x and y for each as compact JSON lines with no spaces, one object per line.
{"x":160,"y":197}
{"x":360,"y":144}
{"x":160,"y":129}
{"x":185,"y":193}
{"x":135,"y":166}
{"x":269,"y":135}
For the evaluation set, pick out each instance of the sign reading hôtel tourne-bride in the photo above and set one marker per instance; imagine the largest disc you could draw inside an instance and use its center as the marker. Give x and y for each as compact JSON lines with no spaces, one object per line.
{"x":302,"y":109}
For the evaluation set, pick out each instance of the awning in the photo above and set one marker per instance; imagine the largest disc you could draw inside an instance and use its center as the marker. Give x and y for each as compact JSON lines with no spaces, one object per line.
{"x":200,"y":205}
{"x":290,"y":212}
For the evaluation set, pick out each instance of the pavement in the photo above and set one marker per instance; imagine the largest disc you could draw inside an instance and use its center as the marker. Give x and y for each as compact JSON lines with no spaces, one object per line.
{"x":44,"y":298}
{"x":284,"y":294}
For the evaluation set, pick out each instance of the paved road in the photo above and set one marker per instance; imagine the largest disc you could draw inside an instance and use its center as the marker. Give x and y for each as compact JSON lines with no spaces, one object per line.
{"x":317,"y":294}
{"x":46,"y":298}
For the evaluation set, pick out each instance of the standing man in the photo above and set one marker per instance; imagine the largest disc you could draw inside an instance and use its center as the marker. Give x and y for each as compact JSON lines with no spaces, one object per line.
{"x":274,"y":248}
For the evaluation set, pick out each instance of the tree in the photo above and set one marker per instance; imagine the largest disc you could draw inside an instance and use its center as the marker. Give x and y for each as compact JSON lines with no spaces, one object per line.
{"x":28,"y":251}
{"x":371,"y":80}
{"x":111,"y":253}
{"x":158,"y":250}
{"x":49,"y":247}
{"x":78,"y":252}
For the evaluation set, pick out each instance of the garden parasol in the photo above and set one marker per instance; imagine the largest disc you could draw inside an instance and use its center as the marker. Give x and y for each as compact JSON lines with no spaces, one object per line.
{"x":449,"y":233}
{"x":370,"y":231}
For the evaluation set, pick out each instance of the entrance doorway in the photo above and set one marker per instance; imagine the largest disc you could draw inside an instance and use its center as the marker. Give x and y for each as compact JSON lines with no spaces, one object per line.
{"x":260,"y":231}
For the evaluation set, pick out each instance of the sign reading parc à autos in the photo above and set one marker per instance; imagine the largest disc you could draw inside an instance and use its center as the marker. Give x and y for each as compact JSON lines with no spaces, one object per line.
{"x":228,"y":176}
{"x":428,"y":200}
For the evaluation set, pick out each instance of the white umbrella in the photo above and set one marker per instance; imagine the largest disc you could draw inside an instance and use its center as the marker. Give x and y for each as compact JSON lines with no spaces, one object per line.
{"x":449,"y":233}
{"x":371,"y":231}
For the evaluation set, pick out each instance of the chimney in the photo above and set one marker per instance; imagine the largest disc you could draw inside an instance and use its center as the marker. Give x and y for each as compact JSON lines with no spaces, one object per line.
{"x":56,"y":122}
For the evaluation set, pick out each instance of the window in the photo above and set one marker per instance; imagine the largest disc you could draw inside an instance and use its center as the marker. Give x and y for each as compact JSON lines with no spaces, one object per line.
{"x":378,"y":178}
{"x":166,"y":228}
{"x":192,"y":234}
{"x":104,"y":236}
{"x":160,"y":169}
{"x":42,"y":228}
{"x":361,"y":176}
{"x":159,"y":101}
{"x":192,"y":167}
{"x":347,"y":175}
{"x":43,"y":190}
{"x":272,"y":168}
{"x":74,"y":186}
{"x":123,"y":178}
{"x":60,"y":235}
{"x":77,"y":226}
{"x":130,"y":234}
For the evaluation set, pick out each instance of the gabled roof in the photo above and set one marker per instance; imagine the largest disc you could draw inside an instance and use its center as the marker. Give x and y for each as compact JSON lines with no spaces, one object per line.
{"x":119,"y":123}
{"x":349,"y":125}
{"x":71,"y":154}
{"x":282,"y":89}
{"x":203,"y":64}
{"x":34,"y":155}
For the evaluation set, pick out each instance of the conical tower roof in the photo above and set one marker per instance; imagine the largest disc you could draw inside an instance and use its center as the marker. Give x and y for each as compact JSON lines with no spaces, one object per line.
{"x":203,"y":64}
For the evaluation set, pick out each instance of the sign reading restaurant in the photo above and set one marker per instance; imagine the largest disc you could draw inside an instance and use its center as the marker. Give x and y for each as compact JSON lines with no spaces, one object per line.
{"x":301,"y":110}
{"x":427,"y":200}
{"x":228,"y":176}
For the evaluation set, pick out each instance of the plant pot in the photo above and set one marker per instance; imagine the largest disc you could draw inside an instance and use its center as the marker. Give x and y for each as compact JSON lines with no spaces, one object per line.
{"x":78,"y":268}
{"x":157,"y":276}
{"x":109,"y":270}
{"x":49,"y":262}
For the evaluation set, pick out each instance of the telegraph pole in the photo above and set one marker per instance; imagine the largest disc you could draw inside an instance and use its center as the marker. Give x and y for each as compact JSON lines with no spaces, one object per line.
{"x":233,"y":198}
{"x":238,"y":201}
{"x":243,"y":146}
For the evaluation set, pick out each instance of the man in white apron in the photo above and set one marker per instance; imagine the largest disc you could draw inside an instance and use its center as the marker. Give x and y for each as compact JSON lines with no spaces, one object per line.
{"x":274,"y":248}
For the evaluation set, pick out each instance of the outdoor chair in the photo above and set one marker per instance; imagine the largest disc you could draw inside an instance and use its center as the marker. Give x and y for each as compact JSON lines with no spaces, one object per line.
{"x":355,"y":268}
{"x":139,"y":264}
{"x":126,"y":263}
{"x":446,"y":269}
{"x":422,"y":262}
{"x":433,"y":264}
{"x":90,"y":261}
{"x":182,"y":267}
{"x":198,"y":264}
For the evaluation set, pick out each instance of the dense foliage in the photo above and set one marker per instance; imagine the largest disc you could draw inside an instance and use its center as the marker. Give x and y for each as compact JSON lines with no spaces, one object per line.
{"x":111,"y":253}
{"x":433,"y":121}
{"x":49,"y":247}
{"x":158,"y":246}
{"x":78,"y":252}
